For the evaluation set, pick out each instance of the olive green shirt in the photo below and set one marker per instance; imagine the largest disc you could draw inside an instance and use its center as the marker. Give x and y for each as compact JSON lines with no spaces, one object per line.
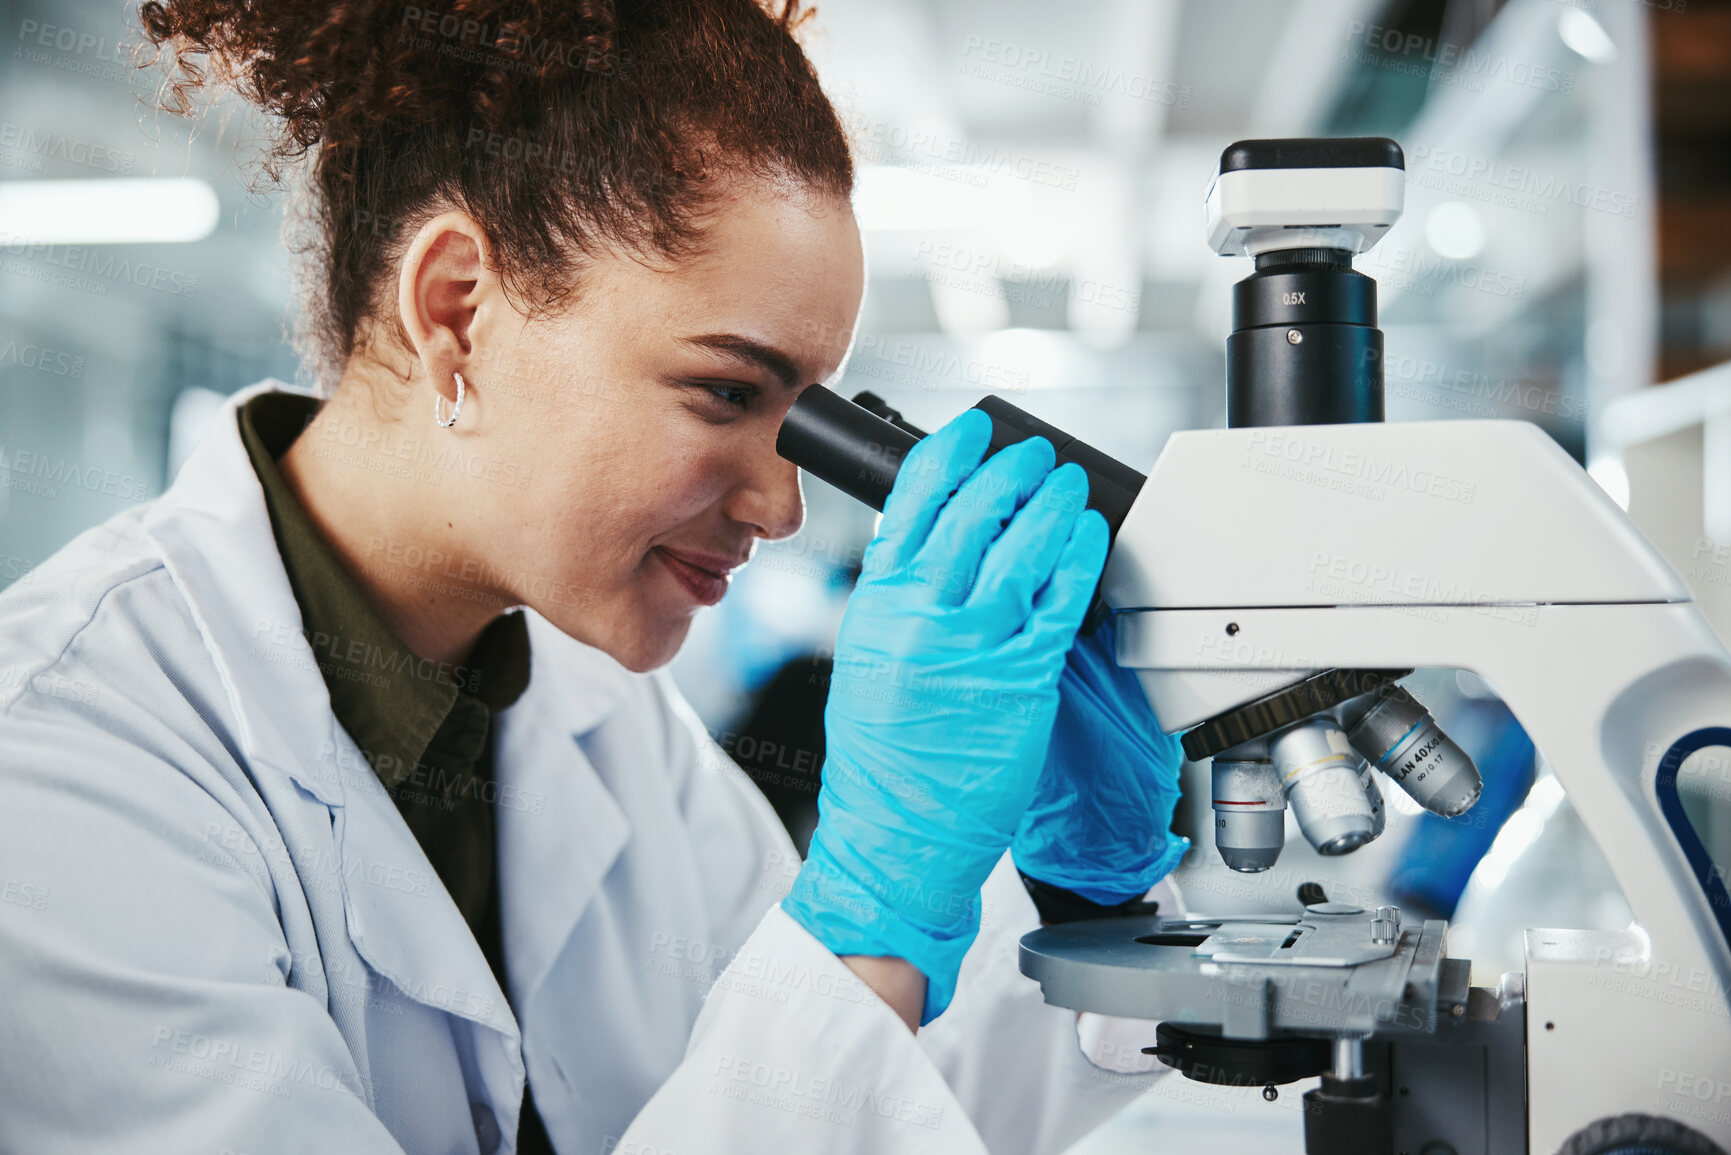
{"x":423,"y":726}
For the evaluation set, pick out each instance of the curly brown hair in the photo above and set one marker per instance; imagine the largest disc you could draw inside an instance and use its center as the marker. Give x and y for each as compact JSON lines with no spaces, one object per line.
{"x":564,"y":127}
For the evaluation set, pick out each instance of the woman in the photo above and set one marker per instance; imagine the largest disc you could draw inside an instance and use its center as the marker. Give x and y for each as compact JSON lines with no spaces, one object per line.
{"x":358,"y":816}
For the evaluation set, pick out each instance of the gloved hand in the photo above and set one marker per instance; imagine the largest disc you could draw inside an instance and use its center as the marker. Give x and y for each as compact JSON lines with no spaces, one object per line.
{"x":1099,"y":825}
{"x":944,"y":689}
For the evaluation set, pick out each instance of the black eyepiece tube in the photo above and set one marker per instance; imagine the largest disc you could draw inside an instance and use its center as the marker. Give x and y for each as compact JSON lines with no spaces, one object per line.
{"x":844,"y":444}
{"x":1112,"y":485}
{"x":858,"y":445}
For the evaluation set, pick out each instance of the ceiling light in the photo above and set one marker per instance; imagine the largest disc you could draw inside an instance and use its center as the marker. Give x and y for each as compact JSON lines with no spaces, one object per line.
{"x":961,"y":198}
{"x":107,"y":212}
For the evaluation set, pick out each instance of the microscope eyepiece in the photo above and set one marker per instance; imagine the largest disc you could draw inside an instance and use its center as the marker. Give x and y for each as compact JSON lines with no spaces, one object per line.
{"x":858,"y":446}
{"x":850,"y":446}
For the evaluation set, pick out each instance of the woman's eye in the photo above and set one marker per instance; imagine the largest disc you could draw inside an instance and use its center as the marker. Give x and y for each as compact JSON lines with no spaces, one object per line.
{"x":718,"y":401}
{"x":735,"y":395}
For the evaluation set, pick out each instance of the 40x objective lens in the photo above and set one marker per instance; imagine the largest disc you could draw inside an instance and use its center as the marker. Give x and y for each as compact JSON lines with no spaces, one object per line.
{"x":1328,"y":786}
{"x":1249,"y":815}
{"x":1399,"y":737}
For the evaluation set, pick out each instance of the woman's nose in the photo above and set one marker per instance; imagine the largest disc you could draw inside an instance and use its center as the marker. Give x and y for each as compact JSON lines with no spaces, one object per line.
{"x":770,"y":500}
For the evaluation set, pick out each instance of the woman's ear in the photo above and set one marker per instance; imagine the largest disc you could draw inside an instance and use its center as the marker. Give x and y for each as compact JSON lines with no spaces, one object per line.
{"x":442,"y":282}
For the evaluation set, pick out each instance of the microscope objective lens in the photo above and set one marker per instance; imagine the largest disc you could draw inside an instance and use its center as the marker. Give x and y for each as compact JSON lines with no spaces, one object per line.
{"x":1249,"y":815}
{"x":1328,"y":786}
{"x":1398,"y":736}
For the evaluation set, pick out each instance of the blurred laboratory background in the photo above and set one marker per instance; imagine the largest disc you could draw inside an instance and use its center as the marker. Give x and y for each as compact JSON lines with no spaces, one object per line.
{"x":1031,"y":184}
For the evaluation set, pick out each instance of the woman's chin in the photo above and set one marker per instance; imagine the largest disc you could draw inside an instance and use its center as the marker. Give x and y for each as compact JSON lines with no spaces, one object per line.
{"x":647,"y":643}
{"x":641,"y":637}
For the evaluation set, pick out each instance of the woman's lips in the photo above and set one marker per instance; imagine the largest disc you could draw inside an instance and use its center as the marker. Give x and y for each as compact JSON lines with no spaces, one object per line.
{"x":705,"y":585}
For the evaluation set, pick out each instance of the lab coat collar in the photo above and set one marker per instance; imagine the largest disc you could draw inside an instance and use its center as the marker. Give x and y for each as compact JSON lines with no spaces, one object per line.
{"x":214,"y":534}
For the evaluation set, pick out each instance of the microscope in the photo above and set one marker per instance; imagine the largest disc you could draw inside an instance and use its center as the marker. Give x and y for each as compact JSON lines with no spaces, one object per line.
{"x":1485,"y":548}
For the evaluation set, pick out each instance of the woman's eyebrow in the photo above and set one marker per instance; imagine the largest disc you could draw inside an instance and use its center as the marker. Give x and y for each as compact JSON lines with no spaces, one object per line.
{"x":754,"y":353}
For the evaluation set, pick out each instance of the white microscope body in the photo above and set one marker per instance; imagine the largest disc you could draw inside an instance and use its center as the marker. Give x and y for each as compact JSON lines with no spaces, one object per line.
{"x":1257,"y":556}
{"x":1253,"y":558}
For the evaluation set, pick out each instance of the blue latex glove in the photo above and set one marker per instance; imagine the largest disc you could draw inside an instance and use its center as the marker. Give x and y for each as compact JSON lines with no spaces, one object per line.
{"x":944,"y":690}
{"x":1099,"y":825}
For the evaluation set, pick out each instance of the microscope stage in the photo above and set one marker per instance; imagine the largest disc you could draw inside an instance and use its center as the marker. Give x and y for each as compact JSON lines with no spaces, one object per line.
{"x":1324,"y":973}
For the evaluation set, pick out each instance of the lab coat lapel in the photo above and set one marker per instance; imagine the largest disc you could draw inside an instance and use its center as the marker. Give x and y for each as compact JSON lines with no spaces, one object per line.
{"x":560,"y":828}
{"x":214,"y":533}
{"x":404,"y":922}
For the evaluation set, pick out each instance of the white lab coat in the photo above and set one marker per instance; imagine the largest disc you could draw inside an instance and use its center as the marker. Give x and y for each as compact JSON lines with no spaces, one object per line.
{"x":218,"y":935}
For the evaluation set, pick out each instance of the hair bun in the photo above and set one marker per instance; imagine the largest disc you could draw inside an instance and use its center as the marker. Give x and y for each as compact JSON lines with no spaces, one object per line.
{"x":335,"y":73}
